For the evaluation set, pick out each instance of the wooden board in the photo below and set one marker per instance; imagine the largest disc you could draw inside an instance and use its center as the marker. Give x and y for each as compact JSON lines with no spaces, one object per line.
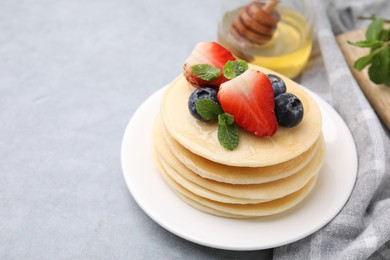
{"x":377,"y":95}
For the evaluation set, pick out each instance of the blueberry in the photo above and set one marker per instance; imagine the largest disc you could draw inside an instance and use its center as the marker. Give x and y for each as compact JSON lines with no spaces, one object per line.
{"x":278,"y":84}
{"x":201,"y":93}
{"x":288,"y":110}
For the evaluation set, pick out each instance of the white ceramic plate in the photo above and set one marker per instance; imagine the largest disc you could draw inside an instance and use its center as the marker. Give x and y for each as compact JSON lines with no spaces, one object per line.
{"x":334,"y":186}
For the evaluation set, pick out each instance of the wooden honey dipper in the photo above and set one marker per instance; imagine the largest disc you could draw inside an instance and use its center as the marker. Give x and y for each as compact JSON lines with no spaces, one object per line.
{"x":256,"y":23}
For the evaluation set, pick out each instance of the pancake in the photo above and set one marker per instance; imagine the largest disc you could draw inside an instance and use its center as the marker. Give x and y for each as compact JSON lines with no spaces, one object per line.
{"x":201,"y":191}
{"x":230,"y":174}
{"x":258,"y":210}
{"x":264,"y":191}
{"x":241,"y":210}
{"x":208,"y":210}
{"x":171,"y":183}
{"x":201,"y":138}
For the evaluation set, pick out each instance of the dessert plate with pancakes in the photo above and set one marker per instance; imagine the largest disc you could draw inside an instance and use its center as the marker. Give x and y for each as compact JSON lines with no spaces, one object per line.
{"x":235,"y":156}
{"x":186,"y":193}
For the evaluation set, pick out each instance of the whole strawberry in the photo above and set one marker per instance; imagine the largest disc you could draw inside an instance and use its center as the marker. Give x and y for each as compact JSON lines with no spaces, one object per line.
{"x":249,"y":98}
{"x":205,"y":64}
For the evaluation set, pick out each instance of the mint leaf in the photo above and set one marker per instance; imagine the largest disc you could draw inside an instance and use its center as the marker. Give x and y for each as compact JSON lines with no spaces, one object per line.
{"x":378,"y":71}
{"x":232,"y":69}
{"x":225,"y":119}
{"x":228,"y":136}
{"x":385,"y":35}
{"x":367,"y":43}
{"x":362,"y":62}
{"x":227,"y":131}
{"x":377,"y":39}
{"x":374,"y":29}
{"x":208,"y":109}
{"x":206,"y":72}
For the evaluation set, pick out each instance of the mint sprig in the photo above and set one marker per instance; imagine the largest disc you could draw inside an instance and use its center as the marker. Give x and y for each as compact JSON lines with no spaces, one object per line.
{"x":227,"y":131}
{"x":206,"y":72}
{"x":378,"y":60}
{"x":232,"y":69}
{"x":208,"y":109}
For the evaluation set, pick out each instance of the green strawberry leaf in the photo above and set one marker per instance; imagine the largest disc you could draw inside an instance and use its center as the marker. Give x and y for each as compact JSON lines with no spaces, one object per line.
{"x":227,"y":131}
{"x":206,"y":72}
{"x":232,"y":69}
{"x":374,"y":29}
{"x":208,"y":109}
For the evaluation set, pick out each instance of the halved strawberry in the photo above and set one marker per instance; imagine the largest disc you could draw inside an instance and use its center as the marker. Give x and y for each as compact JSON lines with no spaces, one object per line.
{"x":210,"y":53}
{"x":250,"y":99}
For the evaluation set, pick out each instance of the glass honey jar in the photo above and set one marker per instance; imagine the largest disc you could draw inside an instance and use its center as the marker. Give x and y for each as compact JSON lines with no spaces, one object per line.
{"x":279,"y":38}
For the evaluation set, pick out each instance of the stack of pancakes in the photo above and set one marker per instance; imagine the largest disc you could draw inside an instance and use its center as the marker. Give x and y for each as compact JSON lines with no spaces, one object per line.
{"x":262,"y":176}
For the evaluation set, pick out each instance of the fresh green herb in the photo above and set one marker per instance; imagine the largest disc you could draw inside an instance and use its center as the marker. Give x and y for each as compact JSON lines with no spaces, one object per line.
{"x":379,"y":71}
{"x":208,"y":109}
{"x":367,"y":43}
{"x":374,"y":29}
{"x":227,"y":131}
{"x":232,"y":69}
{"x":378,"y":60}
{"x":206,"y":72}
{"x":364,"y":61}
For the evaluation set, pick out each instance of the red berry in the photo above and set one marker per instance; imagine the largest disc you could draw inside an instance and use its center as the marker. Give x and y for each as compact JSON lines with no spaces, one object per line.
{"x":210,"y":53}
{"x":250,"y":99}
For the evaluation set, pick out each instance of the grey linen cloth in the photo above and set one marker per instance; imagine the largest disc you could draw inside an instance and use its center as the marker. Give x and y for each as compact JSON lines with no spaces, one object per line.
{"x":362,"y":229}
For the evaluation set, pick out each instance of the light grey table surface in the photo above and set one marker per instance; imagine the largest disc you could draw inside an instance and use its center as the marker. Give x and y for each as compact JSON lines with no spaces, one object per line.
{"x":72,"y":73}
